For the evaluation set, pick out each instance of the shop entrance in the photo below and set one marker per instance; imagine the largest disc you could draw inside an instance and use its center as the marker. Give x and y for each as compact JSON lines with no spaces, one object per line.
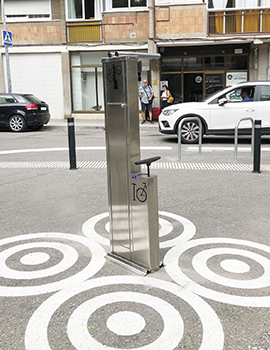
{"x":193,"y":87}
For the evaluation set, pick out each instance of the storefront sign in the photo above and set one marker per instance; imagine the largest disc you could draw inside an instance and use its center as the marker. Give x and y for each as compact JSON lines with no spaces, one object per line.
{"x":163,"y":82}
{"x":235,"y":77}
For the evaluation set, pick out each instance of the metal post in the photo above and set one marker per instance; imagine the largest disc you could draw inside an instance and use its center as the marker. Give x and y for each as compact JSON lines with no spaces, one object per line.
{"x":71,"y":144}
{"x":6,"y":49}
{"x":257,"y":147}
{"x":179,"y":134}
{"x":236,"y":136}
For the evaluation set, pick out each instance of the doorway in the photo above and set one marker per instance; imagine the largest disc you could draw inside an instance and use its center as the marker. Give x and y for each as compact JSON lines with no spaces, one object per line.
{"x":193,"y":87}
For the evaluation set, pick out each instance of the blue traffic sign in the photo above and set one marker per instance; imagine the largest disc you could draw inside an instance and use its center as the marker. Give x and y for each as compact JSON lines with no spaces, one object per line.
{"x":7,"y":38}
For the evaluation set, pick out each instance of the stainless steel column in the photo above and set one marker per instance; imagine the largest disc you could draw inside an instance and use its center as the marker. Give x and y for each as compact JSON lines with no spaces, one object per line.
{"x":131,"y":220}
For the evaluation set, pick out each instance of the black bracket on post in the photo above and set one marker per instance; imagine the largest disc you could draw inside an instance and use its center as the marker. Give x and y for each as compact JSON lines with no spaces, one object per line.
{"x":148,"y":162}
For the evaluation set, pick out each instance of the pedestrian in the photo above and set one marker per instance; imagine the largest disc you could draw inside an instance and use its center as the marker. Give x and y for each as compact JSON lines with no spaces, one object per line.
{"x":146,"y":95}
{"x":165,"y":96}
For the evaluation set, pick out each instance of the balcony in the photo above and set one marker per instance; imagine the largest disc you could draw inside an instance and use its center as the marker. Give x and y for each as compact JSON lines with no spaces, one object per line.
{"x":239,"y":22}
{"x":84,"y":31}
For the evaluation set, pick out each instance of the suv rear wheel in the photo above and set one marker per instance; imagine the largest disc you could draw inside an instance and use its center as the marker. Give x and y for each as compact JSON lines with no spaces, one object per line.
{"x":16,"y":123}
{"x":190,"y":132}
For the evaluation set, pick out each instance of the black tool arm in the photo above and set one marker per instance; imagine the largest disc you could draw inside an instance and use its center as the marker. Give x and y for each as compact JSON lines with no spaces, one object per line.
{"x":148,"y":162}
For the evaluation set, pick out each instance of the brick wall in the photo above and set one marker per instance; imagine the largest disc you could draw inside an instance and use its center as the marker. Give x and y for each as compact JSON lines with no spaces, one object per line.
{"x":181,"y":21}
{"x":129,"y":22}
{"x":36,"y":33}
{"x":41,"y":32}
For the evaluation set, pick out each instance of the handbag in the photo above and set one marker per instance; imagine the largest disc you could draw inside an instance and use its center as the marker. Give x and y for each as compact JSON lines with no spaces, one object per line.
{"x":152,"y":98}
{"x":170,"y":99}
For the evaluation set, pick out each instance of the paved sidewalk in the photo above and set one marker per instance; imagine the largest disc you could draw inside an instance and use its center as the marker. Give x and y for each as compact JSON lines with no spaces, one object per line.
{"x":91,"y":124}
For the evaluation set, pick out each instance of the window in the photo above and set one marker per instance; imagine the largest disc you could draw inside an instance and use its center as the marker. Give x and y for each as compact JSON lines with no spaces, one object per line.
{"x":27,"y":10}
{"x":87,"y":80}
{"x":7,"y":99}
{"x":128,"y":3}
{"x":265,"y":93}
{"x":81,"y":9}
{"x":235,"y":94}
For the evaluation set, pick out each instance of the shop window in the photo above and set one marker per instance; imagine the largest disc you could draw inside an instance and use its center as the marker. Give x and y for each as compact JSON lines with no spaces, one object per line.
{"x":171,"y":64}
{"x":174,"y":84}
{"x":265,"y":93}
{"x":214,"y":63}
{"x":236,"y":62}
{"x":27,"y":10}
{"x":193,"y":63}
{"x":87,"y":81}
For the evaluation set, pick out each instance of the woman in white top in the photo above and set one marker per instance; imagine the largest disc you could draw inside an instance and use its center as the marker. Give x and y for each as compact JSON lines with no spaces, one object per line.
{"x":164,"y":96}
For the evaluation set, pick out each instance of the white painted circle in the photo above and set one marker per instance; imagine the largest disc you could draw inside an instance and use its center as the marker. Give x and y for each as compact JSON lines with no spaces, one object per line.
{"x":37,"y":328}
{"x":235,"y":266}
{"x":126,"y":323}
{"x":70,"y":256}
{"x":77,"y":324}
{"x":35,"y":258}
{"x":171,"y":262}
{"x":166,"y":228}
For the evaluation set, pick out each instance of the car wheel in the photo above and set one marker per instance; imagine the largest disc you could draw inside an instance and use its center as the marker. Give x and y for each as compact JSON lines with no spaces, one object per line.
{"x":190,"y":132}
{"x":36,"y":128}
{"x":16,"y":123}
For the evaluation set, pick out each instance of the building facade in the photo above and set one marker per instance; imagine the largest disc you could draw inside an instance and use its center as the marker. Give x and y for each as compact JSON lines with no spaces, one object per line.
{"x":204,"y":46}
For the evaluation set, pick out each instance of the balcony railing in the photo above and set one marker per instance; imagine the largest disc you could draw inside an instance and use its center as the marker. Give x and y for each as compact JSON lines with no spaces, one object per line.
{"x":239,"y":21}
{"x":84,"y":31}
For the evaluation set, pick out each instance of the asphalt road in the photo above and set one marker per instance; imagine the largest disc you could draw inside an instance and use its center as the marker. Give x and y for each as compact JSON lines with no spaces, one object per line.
{"x":57,"y":291}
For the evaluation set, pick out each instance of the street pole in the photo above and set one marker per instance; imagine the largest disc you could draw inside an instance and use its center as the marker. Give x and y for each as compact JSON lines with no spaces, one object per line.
{"x":6,"y":49}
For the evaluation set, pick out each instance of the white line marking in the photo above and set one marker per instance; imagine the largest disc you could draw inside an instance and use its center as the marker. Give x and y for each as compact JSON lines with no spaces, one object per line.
{"x":221,"y":149}
{"x":37,"y":328}
{"x":60,"y":149}
{"x":188,"y":232}
{"x":97,"y":261}
{"x":81,"y":339}
{"x":172,"y":258}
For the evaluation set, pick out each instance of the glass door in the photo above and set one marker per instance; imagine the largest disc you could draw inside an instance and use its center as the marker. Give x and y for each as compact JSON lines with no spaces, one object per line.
{"x":213,"y":82}
{"x":193,"y":87}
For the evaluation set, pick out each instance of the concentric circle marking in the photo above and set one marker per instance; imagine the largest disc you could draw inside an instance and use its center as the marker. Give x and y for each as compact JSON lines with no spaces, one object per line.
{"x":199,"y":263}
{"x":235,"y":266}
{"x":77,"y":325}
{"x":37,"y":328}
{"x":166,"y":228}
{"x":172,"y":267}
{"x":70,"y":257}
{"x":126,"y":323}
{"x":35,"y":258}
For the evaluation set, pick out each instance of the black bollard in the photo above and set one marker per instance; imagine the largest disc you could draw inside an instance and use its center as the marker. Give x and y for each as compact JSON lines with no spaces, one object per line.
{"x":257,"y":147}
{"x":71,"y":144}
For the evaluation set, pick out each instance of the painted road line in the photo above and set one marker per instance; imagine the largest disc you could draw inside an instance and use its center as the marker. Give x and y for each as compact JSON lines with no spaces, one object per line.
{"x":60,"y":149}
{"x":222,"y":149}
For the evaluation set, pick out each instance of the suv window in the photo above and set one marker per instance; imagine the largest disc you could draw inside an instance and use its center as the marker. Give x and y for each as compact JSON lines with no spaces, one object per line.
{"x":265,"y":93}
{"x":235,"y":94}
{"x":4,"y":99}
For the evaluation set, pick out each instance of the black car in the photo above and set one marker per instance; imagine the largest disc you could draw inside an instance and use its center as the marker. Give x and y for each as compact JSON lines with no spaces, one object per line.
{"x":21,"y":111}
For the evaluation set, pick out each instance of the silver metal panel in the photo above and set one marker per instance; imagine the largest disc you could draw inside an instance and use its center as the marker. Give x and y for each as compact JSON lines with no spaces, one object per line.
{"x":145,"y":227}
{"x":133,"y":204}
{"x":123,"y":147}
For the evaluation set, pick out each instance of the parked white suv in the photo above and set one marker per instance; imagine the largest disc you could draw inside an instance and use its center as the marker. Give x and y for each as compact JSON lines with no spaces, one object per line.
{"x":220,"y":112}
